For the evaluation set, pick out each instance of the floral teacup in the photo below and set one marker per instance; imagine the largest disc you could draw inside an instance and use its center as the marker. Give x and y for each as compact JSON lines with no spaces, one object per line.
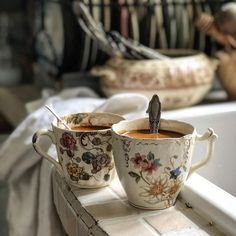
{"x":84,"y":151}
{"x":153,"y":171}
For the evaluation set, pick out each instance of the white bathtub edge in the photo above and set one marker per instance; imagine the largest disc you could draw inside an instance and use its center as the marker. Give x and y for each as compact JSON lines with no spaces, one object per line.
{"x":211,"y":201}
{"x":200,"y":110}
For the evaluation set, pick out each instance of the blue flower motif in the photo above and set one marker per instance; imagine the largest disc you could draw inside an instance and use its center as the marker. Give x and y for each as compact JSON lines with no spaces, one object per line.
{"x":88,"y":157}
{"x":175,"y":173}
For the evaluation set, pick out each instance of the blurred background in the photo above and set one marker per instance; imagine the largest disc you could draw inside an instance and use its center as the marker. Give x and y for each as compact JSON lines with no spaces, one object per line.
{"x":42,"y":46}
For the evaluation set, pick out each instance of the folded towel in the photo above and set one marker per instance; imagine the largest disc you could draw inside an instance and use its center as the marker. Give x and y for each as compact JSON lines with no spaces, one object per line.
{"x":31,"y":211}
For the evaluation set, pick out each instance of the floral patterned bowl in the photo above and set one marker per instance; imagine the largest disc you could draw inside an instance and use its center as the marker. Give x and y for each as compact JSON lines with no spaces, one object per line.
{"x":181,"y":80}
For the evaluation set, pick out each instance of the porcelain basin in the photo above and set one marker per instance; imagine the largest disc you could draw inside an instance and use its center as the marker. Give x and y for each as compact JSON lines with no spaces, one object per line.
{"x":212,"y":191}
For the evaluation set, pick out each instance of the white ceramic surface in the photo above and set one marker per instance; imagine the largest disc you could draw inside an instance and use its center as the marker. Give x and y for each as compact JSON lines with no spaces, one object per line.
{"x":153,"y":171}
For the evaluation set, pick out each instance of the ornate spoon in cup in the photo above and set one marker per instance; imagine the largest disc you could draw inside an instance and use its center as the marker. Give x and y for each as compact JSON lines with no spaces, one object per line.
{"x":154,"y":112}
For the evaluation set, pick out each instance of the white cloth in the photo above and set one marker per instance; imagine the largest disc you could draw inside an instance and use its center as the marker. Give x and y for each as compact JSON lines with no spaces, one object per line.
{"x":31,"y":211}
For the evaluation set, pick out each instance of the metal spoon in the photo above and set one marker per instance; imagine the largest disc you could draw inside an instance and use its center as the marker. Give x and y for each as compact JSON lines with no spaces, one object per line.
{"x":154,"y":111}
{"x":58,"y":118}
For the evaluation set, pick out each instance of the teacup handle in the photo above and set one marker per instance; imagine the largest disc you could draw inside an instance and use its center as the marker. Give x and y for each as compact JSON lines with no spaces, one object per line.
{"x":40,"y":151}
{"x":211,"y":137}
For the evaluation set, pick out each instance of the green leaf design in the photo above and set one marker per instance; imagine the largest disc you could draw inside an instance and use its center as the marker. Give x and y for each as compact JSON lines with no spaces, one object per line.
{"x":137,"y":179}
{"x":133,"y":174}
{"x":150,"y":156}
{"x":76,"y":118}
{"x":157,"y":162}
{"x":71,"y":119}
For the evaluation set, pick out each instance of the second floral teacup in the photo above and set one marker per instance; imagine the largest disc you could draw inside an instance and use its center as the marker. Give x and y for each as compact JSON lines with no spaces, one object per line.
{"x":153,"y":167}
{"x":85,"y":150}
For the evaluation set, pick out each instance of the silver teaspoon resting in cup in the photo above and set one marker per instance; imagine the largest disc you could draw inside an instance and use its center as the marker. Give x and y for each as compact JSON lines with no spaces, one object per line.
{"x":58,"y":117}
{"x":154,"y":112}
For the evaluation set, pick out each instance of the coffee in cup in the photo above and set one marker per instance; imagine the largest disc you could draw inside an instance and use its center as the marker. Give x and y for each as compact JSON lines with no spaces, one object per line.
{"x":145,"y":134}
{"x":79,"y":128}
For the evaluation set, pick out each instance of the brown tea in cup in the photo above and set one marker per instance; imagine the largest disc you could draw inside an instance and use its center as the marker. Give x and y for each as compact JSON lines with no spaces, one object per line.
{"x":88,"y":128}
{"x":145,"y":134}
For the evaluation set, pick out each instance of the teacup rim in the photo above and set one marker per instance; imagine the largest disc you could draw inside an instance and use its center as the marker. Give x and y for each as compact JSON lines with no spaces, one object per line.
{"x":161,"y":121}
{"x":55,"y":120}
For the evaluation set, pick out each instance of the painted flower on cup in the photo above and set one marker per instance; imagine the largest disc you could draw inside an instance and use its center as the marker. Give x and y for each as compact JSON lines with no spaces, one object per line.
{"x":88,"y":157}
{"x":149,"y":166}
{"x":138,"y":160}
{"x":157,"y":190}
{"x":175,"y":173}
{"x":163,"y":186}
{"x":175,"y":186}
{"x":98,"y":161}
{"x":101,"y":161}
{"x":147,"y":163}
{"x":68,"y":144}
{"x":74,"y":171}
{"x":161,"y":189}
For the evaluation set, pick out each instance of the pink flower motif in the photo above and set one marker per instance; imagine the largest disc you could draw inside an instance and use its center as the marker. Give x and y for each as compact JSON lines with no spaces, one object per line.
{"x":101,"y":161}
{"x":145,"y":165}
{"x":68,"y":141}
{"x":138,"y":160}
{"x":148,"y":166}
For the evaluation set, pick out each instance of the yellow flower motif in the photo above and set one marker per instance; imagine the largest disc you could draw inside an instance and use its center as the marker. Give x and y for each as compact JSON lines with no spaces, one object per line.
{"x":162,"y":189}
{"x":74,"y":170}
{"x":175,"y":187}
{"x":157,"y":190}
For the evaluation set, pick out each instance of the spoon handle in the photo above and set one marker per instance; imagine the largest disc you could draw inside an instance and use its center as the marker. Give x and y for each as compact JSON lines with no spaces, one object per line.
{"x":58,"y":118}
{"x":154,"y":112}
